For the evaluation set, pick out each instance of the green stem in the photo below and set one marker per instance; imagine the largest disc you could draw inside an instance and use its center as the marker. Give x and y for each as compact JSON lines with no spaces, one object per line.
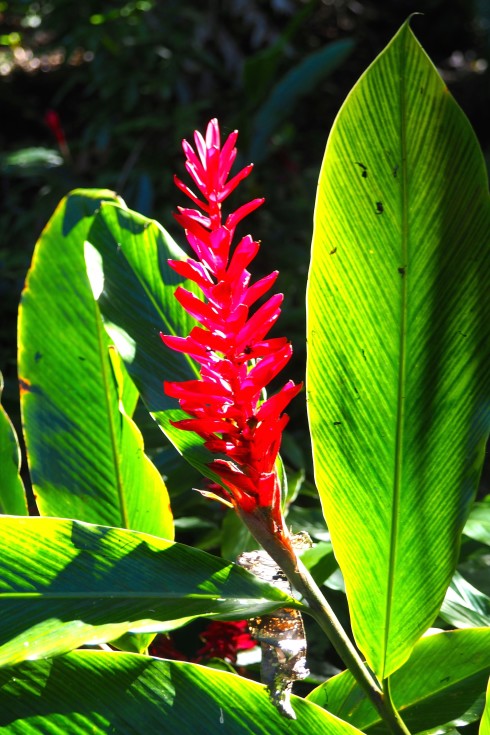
{"x":281,"y":552}
{"x":391,"y":706}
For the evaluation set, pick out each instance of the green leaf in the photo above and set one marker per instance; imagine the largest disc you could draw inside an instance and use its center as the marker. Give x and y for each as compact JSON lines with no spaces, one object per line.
{"x":85,"y":455}
{"x":134,"y":642}
{"x":320,"y":561}
{"x":297,"y":83}
{"x":143,"y":487}
{"x":12,"y":493}
{"x":485,"y":720}
{"x":99,"y":692}
{"x":464,"y":606}
{"x":443,"y":677}
{"x":29,"y":162}
{"x":135,"y":289}
{"x":235,"y":537}
{"x":478,"y":524}
{"x":398,"y":321}
{"x":65,"y":583}
{"x":476,"y":567}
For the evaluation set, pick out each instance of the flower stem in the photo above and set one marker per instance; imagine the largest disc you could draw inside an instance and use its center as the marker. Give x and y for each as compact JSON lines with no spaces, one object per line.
{"x":320,"y":610}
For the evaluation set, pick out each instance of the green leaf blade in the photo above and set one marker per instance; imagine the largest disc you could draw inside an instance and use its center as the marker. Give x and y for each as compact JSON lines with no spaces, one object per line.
{"x":84,"y":457}
{"x":443,"y":677}
{"x":65,"y":583}
{"x":12,"y":493}
{"x":485,"y":721}
{"x":142,"y":694}
{"x":137,"y":303}
{"x":397,"y":318}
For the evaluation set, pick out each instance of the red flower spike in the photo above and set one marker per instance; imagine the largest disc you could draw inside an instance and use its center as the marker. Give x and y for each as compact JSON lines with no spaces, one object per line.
{"x":226,"y":406}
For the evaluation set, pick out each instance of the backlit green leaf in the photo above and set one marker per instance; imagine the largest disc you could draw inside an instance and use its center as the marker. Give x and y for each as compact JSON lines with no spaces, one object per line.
{"x":135,"y":289}
{"x":12,"y":494}
{"x":485,"y":720}
{"x":443,"y":677}
{"x":398,"y":321}
{"x":85,"y":455}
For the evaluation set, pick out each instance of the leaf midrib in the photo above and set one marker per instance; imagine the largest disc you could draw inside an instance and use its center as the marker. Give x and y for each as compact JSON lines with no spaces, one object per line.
{"x":118,"y":595}
{"x":397,"y":475}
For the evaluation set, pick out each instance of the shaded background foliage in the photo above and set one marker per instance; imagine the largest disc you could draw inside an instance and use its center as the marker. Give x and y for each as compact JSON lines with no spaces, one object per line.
{"x":129,"y":80}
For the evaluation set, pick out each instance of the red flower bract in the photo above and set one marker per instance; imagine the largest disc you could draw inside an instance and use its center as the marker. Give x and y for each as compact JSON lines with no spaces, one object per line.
{"x":226,"y":405}
{"x":224,"y":640}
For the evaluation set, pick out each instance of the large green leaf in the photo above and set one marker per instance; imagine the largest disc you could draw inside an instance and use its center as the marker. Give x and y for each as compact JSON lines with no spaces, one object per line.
{"x":64,"y":583}
{"x":464,"y":606}
{"x":445,"y":674}
{"x":99,"y":692}
{"x":135,"y":286}
{"x":85,"y":455}
{"x":485,"y":720}
{"x":478,"y":524}
{"x":398,"y":324}
{"x":12,"y":494}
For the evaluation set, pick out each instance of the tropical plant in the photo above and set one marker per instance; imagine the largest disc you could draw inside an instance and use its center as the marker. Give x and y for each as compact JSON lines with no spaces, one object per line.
{"x":397,"y":384}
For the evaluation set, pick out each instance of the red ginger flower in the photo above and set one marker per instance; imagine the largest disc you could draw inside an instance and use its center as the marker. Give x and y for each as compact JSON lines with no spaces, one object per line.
{"x":226,"y":404}
{"x":224,"y":640}
{"x":221,"y":639}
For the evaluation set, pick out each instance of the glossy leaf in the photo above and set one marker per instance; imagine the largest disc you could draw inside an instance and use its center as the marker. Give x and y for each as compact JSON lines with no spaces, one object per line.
{"x":444,"y":676}
{"x":398,"y":320}
{"x":485,"y":720}
{"x":12,"y":493}
{"x":65,"y":583}
{"x":476,"y":569}
{"x":135,"y":290}
{"x":99,"y":692}
{"x":478,"y":524}
{"x":134,"y":642}
{"x":464,"y":606}
{"x":142,"y":485}
{"x":85,"y":455}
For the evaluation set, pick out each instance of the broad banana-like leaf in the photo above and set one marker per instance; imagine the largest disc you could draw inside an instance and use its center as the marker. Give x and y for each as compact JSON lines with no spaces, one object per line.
{"x":485,"y":720}
{"x":444,"y":676}
{"x":12,"y":494}
{"x":99,"y":692}
{"x":398,"y":322}
{"x":85,"y":454}
{"x":134,"y":287}
{"x":66,"y":583}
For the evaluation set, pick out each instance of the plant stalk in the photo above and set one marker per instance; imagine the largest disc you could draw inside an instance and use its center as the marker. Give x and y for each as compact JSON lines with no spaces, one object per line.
{"x":391,"y":705}
{"x":300,"y":578}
